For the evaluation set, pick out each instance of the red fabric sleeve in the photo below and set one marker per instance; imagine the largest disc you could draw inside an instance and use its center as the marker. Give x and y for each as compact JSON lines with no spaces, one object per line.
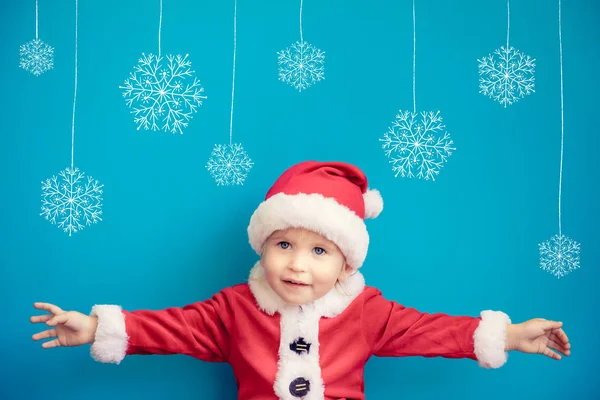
{"x":392,"y":330}
{"x":201,"y":330}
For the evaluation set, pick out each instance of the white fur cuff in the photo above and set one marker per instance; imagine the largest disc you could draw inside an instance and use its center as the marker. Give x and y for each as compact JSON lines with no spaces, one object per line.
{"x":110,"y":341}
{"x":490,"y":339}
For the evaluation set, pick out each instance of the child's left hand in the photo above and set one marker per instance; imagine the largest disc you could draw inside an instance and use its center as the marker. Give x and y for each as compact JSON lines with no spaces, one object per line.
{"x":538,"y":336}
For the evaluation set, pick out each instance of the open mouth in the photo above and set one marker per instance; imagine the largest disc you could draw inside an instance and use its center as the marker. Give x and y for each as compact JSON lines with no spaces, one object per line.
{"x":294,"y":283}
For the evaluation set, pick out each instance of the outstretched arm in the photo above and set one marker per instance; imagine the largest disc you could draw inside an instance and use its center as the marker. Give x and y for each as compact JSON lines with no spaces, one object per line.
{"x":393,"y":330}
{"x":200,"y":330}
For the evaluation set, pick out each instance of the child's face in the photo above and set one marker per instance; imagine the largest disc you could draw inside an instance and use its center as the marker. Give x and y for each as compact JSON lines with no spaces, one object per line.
{"x":301,"y":266}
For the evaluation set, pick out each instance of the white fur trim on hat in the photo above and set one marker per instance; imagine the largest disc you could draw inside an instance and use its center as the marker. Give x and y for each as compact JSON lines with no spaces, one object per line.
{"x":490,"y":339}
{"x":373,"y":203}
{"x":313,"y":212}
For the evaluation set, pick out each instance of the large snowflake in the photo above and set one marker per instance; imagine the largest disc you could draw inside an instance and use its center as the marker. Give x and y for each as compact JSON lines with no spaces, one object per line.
{"x":71,"y":200}
{"x":301,"y":65}
{"x":417,"y":144}
{"x":229,"y":164}
{"x":36,"y":57}
{"x":559,"y":255}
{"x":507,"y":75}
{"x":163,"y":93}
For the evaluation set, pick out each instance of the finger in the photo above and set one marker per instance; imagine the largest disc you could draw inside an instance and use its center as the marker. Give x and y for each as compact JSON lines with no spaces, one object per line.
{"x":45,"y":334}
{"x":48,"y":307}
{"x":561,"y":335}
{"x":562,"y":339}
{"x":50,"y":344}
{"x":549,"y":353}
{"x":549,"y":325}
{"x":40,"y":318}
{"x":558,"y":347}
{"x":58,"y":319}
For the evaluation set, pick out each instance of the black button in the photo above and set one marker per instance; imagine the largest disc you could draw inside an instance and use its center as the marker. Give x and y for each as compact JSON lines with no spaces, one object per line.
{"x":299,"y":387}
{"x":300,"y":346}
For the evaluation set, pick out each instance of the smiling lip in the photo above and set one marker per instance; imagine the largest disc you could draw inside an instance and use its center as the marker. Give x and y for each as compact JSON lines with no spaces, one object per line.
{"x":294,"y":283}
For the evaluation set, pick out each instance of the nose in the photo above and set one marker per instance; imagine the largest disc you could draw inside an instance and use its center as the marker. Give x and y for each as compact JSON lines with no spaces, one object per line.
{"x":296,"y":264}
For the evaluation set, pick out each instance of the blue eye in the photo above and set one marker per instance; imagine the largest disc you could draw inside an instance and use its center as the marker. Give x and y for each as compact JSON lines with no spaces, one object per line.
{"x":319,"y":250}
{"x":283,"y":245}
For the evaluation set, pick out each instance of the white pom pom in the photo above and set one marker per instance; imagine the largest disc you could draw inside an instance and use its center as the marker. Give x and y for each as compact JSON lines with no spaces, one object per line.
{"x":373,"y":203}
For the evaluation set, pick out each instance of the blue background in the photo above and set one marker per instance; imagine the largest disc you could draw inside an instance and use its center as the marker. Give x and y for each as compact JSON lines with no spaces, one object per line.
{"x":170,"y":236}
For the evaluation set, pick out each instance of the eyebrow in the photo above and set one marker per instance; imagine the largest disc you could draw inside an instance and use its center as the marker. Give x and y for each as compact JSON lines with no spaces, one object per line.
{"x":324,"y":244}
{"x":278,"y":236}
{"x":318,"y":242}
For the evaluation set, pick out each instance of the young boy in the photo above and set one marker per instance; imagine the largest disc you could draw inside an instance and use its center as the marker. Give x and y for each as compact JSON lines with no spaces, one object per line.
{"x":305,"y":324}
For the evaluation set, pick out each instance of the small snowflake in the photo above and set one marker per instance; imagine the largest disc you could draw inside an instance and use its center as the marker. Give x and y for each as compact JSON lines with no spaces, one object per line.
{"x":507,"y":75}
{"x":559,"y":255}
{"x":301,"y":65}
{"x":71,"y":200}
{"x":417,"y":144}
{"x":229,"y":164}
{"x":36,"y":57}
{"x":163,"y":93}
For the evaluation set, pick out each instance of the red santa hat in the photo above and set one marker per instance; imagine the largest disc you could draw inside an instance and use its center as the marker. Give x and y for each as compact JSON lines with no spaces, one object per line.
{"x":330,"y":198}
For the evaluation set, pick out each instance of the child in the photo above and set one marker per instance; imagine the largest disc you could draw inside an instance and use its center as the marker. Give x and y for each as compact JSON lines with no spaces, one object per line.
{"x":305,"y":324}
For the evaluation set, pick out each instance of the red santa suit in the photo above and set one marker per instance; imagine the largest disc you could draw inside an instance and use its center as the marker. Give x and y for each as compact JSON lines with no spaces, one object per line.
{"x":313,"y":351}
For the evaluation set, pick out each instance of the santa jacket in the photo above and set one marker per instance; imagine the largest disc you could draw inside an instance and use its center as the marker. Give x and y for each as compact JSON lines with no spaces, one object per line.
{"x":314,"y":351}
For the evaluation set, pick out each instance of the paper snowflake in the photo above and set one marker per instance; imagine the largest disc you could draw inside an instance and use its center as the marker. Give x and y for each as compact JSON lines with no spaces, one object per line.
{"x":71,"y":200}
{"x":36,"y":57}
{"x":229,"y":164}
{"x":507,"y":75}
{"x":417,"y":144}
{"x":163,"y":93}
{"x":301,"y":65}
{"x":559,"y":255}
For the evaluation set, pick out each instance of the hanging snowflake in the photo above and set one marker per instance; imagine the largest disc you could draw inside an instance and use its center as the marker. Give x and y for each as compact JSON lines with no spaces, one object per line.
{"x":72,"y":201}
{"x":229,"y":164}
{"x":163,"y":93}
{"x":507,"y":75}
{"x":417,"y":144}
{"x":559,"y":255}
{"x":301,"y":65}
{"x":36,"y":57}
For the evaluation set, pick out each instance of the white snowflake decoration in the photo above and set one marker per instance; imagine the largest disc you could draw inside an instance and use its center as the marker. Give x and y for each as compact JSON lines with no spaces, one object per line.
{"x":559,"y":255}
{"x":417,"y":144}
{"x":36,"y":57}
{"x":229,"y":164}
{"x":507,"y":75}
{"x":163,"y":93}
{"x":301,"y":65}
{"x":71,"y":200}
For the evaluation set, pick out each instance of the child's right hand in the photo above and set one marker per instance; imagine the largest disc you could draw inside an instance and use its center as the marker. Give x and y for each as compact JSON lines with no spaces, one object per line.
{"x":72,"y":328}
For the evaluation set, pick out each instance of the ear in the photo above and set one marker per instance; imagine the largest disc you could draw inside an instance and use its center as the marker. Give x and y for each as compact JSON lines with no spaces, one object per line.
{"x":344,"y":272}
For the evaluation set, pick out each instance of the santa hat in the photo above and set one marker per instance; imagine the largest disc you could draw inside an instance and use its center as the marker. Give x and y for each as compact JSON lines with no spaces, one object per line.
{"x":330,"y":198}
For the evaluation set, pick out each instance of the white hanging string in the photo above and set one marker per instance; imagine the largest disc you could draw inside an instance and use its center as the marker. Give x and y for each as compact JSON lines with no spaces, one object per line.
{"x":233,"y":74}
{"x":301,"y":38}
{"x":160,"y":26}
{"x":414,"y":60}
{"x":36,"y":20}
{"x":562,"y":123}
{"x":508,"y":23}
{"x":75,"y":94}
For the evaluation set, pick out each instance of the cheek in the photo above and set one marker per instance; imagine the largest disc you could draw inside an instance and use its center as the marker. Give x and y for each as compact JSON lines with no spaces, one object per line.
{"x":271,"y":266}
{"x":325,"y":276}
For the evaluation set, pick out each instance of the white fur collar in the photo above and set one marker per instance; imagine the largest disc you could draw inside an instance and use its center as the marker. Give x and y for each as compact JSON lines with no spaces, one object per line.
{"x":330,"y":305}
